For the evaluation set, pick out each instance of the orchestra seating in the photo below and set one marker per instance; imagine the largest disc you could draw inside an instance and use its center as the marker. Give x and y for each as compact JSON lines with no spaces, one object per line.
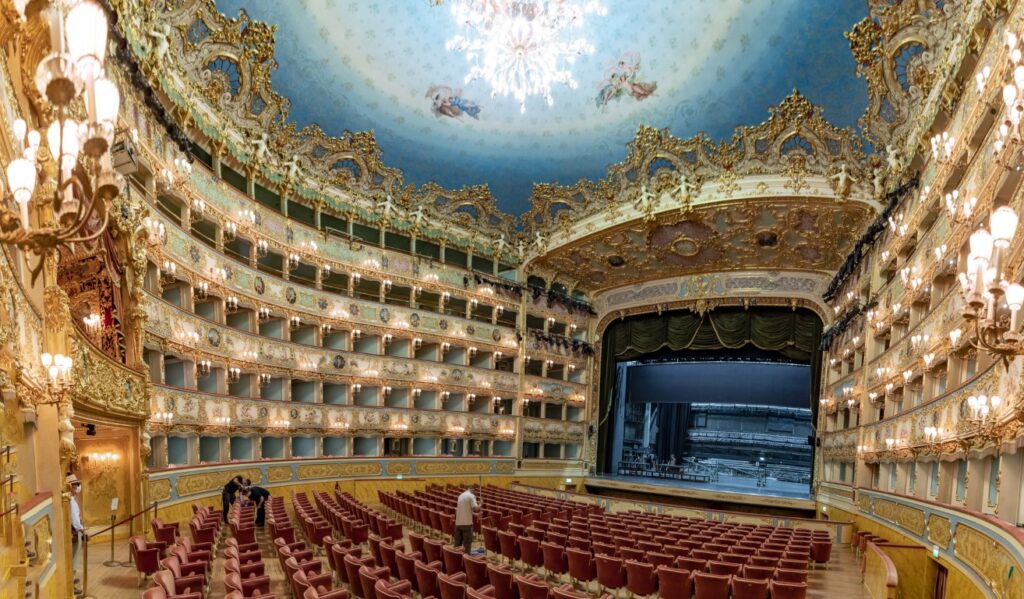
{"x":335,"y":547}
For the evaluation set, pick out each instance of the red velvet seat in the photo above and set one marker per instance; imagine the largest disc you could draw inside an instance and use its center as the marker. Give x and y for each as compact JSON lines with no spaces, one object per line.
{"x":530,"y":553}
{"x":401,"y":589}
{"x":641,"y":578}
{"x":767,"y":562}
{"x":758,"y":572}
{"x":555,"y":560}
{"x":502,"y":582}
{"x":531,"y":587}
{"x":509,"y":546}
{"x":426,"y":578}
{"x":180,"y":570}
{"x":718,"y":567}
{"x":388,"y":559}
{"x":485,"y":593}
{"x":248,"y":587}
{"x":319,"y":593}
{"x":611,"y":572}
{"x":165,"y":533}
{"x":407,"y":567}
{"x":432,"y":549}
{"x":674,"y":583}
{"x":788,"y":590}
{"x":692,"y":564}
{"x":821,"y":551}
{"x":749,"y":588}
{"x":581,"y":565}
{"x":790,"y":575}
{"x":178,"y":586}
{"x":368,"y":577}
{"x":491,"y":543}
{"x":476,"y":571}
{"x":147,"y":555}
{"x":711,"y":586}
{"x":452,"y":587}
{"x":417,"y":543}
{"x":352,"y":565}
{"x":452,"y":559}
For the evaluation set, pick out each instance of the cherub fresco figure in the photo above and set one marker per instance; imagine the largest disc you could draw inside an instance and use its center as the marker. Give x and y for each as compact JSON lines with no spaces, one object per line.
{"x":878,"y":181}
{"x":645,"y":202}
{"x":622,"y":78}
{"x":843,"y":180}
{"x":892,"y":158}
{"x":260,"y":147}
{"x":386,"y":208}
{"x":450,"y":103}
{"x":685,"y":189}
{"x":417,"y":217}
{"x":161,"y":43}
{"x":292,"y":168}
{"x":500,"y":246}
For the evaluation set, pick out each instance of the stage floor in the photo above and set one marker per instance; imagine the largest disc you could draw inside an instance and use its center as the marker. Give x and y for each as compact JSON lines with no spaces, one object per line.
{"x":734,"y":488}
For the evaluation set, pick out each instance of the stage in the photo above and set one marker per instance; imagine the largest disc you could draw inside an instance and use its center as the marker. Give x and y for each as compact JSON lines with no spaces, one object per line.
{"x":726,"y":490}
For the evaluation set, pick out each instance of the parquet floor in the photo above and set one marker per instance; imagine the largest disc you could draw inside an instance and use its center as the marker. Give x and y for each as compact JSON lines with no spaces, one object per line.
{"x":840,"y":579}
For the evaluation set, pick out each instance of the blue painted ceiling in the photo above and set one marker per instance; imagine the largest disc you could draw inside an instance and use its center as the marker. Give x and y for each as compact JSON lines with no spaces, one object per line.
{"x":712,"y":65}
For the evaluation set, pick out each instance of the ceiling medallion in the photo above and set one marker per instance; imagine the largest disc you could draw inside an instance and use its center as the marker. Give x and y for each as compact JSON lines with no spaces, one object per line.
{"x":522,"y":47}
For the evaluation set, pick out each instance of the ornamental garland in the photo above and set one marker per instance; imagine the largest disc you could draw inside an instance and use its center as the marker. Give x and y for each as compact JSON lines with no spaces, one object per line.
{"x":141,"y":84}
{"x":893,"y":199}
{"x":844,"y":323}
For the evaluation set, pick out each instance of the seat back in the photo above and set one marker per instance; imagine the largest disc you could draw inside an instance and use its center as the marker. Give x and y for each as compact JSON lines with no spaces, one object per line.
{"x":788,"y":590}
{"x":530,"y":587}
{"x":452,"y":559}
{"x":426,"y":580}
{"x":611,"y":571}
{"x":529,"y":552}
{"x":674,"y":583}
{"x":641,"y":578}
{"x":711,"y":586}
{"x":581,"y":565}
{"x":451,"y":588}
{"x":476,"y":571}
{"x":749,"y":588}
{"x":502,"y":581}
{"x":407,"y":567}
{"x":554,"y":558}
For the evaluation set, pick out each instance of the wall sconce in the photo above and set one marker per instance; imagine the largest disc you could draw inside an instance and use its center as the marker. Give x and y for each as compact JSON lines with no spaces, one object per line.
{"x":325,"y":269}
{"x":203,"y":368}
{"x":262,"y":248}
{"x":417,"y":392}
{"x":445,"y":395}
{"x":386,"y":285}
{"x":263,"y":314}
{"x":230,"y":232}
{"x":156,"y":233}
{"x":982,"y":407}
{"x":264,"y":379}
{"x":386,"y":390}
{"x":400,"y":427}
{"x":295,"y":322}
{"x":231,"y":304}
{"x":357,"y":387}
{"x":387,"y":338}
{"x":445,"y":347}
{"x":498,"y":355}
{"x":356,"y":277}
{"x":163,"y":418}
{"x":473,"y":303}
{"x":954,"y":337}
{"x":249,"y":215}
{"x":889,"y":388}
{"x":339,"y":424}
{"x":417,"y":343}
{"x":500,"y":310}
{"x":234,"y":374}
{"x":198,"y":211}
{"x":907,"y":375}
{"x":472,"y":352}
{"x":456,"y":430}
{"x":928,"y":359}
{"x":471,"y":397}
{"x":325,"y":329}
{"x":104,"y":462}
{"x":168,"y":272}
{"x":92,"y":323}
{"x":356,"y":334}
{"x":221,"y":421}
{"x":890,"y":443}
{"x":201,"y":290}
{"x":293,"y":261}
{"x":282,"y":423}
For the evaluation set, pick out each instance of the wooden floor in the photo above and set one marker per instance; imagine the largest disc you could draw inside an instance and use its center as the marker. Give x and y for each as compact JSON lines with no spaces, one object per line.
{"x":839,"y":579}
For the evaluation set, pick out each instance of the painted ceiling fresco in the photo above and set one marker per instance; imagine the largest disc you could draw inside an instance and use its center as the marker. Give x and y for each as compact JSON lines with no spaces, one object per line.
{"x":694,"y":65}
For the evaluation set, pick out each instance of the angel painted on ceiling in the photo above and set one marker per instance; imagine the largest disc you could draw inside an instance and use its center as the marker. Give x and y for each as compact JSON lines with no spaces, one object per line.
{"x":622,"y":78}
{"x":450,"y":103}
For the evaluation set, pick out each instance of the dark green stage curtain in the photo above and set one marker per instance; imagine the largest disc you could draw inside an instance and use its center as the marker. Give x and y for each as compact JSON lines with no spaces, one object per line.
{"x":792,"y":333}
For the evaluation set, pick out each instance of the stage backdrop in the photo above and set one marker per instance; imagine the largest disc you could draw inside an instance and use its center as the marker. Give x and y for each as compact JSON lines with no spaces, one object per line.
{"x":792,"y":333}
{"x":761,"y":383}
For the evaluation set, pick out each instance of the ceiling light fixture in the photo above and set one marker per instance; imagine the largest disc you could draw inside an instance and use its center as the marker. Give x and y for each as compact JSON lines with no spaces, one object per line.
{"x":522,"y":47}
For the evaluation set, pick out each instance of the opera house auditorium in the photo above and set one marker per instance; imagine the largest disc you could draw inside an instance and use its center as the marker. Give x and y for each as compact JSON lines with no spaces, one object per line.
{"x":511,"y":299}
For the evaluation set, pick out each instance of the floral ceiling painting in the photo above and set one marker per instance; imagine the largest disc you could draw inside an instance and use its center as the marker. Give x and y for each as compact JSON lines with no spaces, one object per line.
{"x":690,"y":66}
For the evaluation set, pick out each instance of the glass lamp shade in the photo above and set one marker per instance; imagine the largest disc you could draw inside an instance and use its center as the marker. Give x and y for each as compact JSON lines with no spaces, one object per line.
{"x":86,"y":33}
{"x":1018,"y":76}
{"x":1009,"y":94}
{"x":981,"y":245}
{"x":1015,"y":296}
{"x":1004,"y":225}
{"x":107,"y":101}
{"x":21,"y":178}
{"x":63,"y":139}
{"x":58,"y":79}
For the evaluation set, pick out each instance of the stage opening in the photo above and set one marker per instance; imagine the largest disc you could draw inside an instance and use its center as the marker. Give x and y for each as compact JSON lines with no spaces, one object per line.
{"x":720,"y":402}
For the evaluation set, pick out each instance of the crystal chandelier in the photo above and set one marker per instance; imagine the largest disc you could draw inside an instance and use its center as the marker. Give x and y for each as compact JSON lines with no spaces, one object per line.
{"x":522,"y":47}
{"x":993,"y":304}
{"x":78,"y":160}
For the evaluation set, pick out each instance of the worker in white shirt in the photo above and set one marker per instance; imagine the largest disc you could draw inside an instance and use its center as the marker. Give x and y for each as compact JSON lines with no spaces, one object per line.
{"x":464,"y":519}
{"x":77,"y":532}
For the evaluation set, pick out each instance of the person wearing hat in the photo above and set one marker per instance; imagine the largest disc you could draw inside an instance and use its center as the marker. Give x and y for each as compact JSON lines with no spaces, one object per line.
{"x":77,"y":530}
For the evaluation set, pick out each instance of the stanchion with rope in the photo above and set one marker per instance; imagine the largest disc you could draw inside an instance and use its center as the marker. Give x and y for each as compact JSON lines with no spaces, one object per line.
{"x":111,"y":563}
